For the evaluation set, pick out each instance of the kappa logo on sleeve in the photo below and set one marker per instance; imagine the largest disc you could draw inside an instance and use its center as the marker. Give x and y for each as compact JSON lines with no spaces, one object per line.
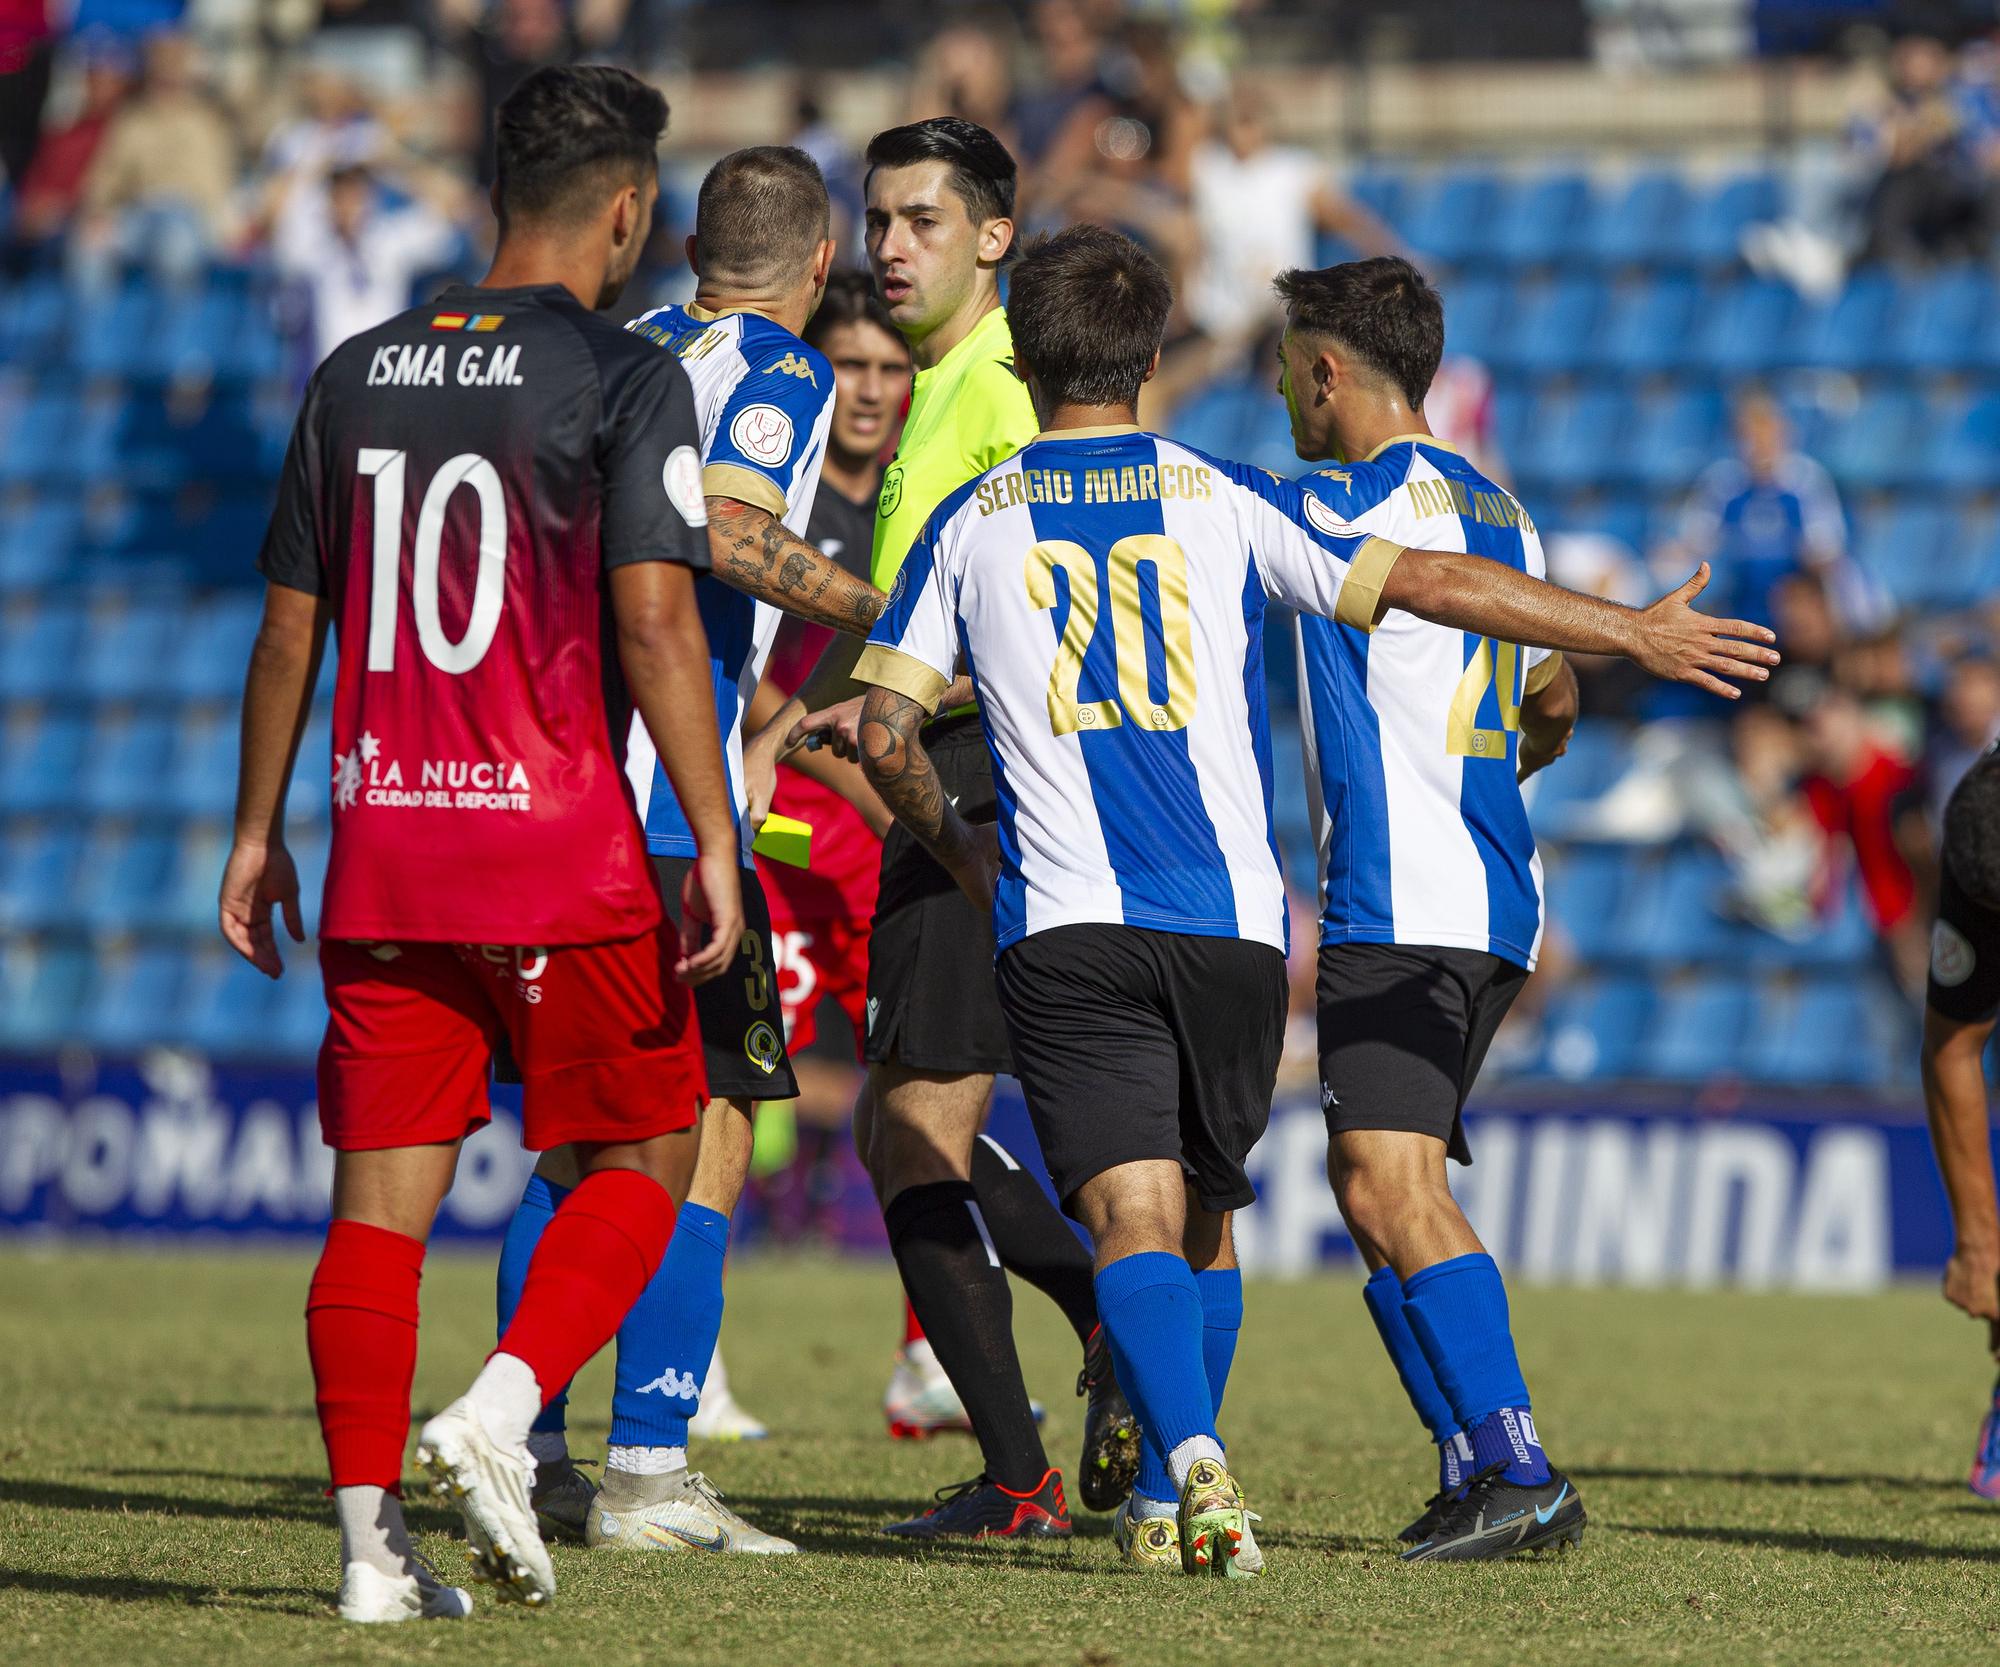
{"x":792,"y":365}
{"x":763,"y":434}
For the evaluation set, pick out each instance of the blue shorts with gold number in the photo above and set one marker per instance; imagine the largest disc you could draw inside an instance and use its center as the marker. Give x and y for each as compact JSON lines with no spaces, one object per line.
{"x":742,"y":1025}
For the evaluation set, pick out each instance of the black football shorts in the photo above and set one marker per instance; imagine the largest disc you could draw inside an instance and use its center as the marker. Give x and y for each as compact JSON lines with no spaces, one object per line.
{"x":1403,"y":1030}
{"x":1132,"y":1044}
{"x":931,"y":1004}
{"x":742,"y":1025}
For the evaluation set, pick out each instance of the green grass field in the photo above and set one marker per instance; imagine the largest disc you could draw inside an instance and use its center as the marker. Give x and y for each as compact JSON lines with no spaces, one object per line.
{"x":1769,"y":1478}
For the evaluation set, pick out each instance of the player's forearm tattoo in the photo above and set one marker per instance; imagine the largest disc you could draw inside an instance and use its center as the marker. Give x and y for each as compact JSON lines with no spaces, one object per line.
{"x":898,"y":767}
{"x":757,"y":554}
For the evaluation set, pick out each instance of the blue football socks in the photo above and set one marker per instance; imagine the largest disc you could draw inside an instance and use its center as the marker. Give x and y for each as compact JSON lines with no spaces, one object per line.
{"x":1384,"y":1295}
{"x":1457,"y":1310}
{"x":1151,"y":1309}
{"x":668,"y":1339}
{"x":535,"y":1211}
{"x":1221,"y":1321}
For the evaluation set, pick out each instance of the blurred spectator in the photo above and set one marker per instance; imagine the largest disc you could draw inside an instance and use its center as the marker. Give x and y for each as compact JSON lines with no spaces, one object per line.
{"x":356,"y":250}
{"x":966,"y":71}
{"x":1968,"y":723}
{"x":505,"y":42}
{"x":1929,"y":200}
{"x":1257,"y":209}
{"x":52,"y":187}
{"x":1759,"y":517}
{"x":26,"y":54}
{"x":839,"y":165}
{"x":1459,"y":408}
{"x":1864,"y":798}
{"x":161,"y":186}
{"x":378,"y":43}
{"x":1066,"y":54}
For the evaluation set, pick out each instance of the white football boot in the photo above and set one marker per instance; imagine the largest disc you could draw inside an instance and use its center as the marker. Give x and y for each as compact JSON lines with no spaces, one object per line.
{"x":680,"y":1511}
{"x":371,"y":1597}
{"x":720,"y":1416}
{"x":920,"y":1400}
{"x":493,"y":1490}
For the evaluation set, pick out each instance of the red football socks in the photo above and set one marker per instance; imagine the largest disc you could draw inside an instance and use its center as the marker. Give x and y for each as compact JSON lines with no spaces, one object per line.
{"x":913,"y":1328}
{"x":604,"y":1243}
{"x":361,"y":1331}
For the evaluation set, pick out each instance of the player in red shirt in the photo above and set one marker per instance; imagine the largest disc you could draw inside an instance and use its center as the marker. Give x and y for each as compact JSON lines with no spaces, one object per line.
{"x":482,"y":497}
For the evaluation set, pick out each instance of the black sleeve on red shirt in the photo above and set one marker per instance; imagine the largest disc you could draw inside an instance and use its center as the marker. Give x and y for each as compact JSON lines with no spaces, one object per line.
{"x":291,"y":553}
{"x":649,"y":450}
{"x":1965,"y":957}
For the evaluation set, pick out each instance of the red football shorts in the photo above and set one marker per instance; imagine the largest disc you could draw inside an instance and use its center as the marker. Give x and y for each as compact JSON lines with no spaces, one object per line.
{"x":604,"y":1036}
{"x":818,"y":958}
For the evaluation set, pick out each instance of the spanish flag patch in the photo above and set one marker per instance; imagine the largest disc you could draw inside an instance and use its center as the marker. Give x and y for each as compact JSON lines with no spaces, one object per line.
{"x":481,"y":322}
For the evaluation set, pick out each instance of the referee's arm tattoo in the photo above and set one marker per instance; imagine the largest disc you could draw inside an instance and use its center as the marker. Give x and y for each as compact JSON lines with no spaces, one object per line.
{"x":758,"y":554}
{"x":893,"y":757}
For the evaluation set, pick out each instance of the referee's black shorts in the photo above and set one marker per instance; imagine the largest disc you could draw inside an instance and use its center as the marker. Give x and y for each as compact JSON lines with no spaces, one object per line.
{"x":1403,"y":1030}
{"x":1133,"y":1045}
{"x":931,"y":1004}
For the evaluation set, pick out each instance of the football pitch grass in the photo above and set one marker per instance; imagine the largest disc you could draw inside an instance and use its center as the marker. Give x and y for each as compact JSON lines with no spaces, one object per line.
{"x":1769,"y":1478}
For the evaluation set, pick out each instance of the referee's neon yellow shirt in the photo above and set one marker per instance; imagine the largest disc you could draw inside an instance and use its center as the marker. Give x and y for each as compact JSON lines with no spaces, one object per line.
{"x":968,"y":412}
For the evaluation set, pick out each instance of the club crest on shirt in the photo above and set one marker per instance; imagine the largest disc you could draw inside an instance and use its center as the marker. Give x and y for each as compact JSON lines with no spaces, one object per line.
{"x":1953,"y":958}
{"x":681,"y":476}
{"x":1328,"y":522}
{"x":763,"y":434}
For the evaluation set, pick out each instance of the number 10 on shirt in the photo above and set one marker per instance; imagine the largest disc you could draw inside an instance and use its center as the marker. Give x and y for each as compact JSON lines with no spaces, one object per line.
{"x":1068,"y":713}
{"x":489,"y":588}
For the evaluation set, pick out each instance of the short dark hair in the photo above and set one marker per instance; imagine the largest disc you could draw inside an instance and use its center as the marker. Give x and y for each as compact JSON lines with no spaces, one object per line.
{"x":1383,"y":311}
{"x":1972,"y":832}
{"x":565,"y":122}
{"x":1088,"y":310}
{"x":850,"y":298}
{"x":982,"y":169}
{"x":761,"y":212}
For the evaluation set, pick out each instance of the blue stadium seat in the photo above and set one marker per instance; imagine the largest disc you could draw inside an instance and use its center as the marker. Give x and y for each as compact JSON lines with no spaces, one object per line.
{"x":1674,"y":439}
{"x":1539,"y":222}
{"x":128,"y":873}
{"x":1554,"y":328}
{"x":230,"y":1007}
{"x":154,"y":443}
{"x":208,"y":660}
{"x":1881,"y":444}
{"x":299,"y":1022}
{"x":1903,"y":548}
{"x":1574,"y":440}
{"x":1697,"y":1030}
{"x":1851,"y":331}
{"x":38,"y":537}
{"x":136,"y":1000}
{"x":122,"y":653}
{"x":1712,"y":235}
{"x":1583,"y":886}
{"x":42,"y":988}
{"x":1825,"y":1031}
{"x":1639,"y":226}
{"x":185,"y":901}
{"x":110,"y":334}
{"x":310,"y":798}
{"x":1448,"y":217}
{"x":1594,"y":1029}
{"x":1741,"y":328}
{"x":34,"y":316}
{"x":38,"y":446}
{"x":1476,"y":311}
{"x":1966,"y":454}
{"x":38,"y":883}
{"x":1934,"y":324}
{"x":42,"y":765}
{"x":1669,"y":916}
{"x":121,"y":775}
{"x":1647,"y":326}
{"x":201,"y":776}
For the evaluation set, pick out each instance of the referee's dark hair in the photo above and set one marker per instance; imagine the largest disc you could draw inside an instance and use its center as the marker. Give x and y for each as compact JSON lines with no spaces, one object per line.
{"x":1088,"y":310}
{"x":762,"y":214}
{"x":982,"y":169}
{"x":850,"y":298}
{"x":566,"y":127}
{"x":1972,"y":832}
{"x":1383,"y":311}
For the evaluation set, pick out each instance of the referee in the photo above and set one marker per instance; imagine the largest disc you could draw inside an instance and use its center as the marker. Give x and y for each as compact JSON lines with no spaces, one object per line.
{"x":960,"y":1212}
